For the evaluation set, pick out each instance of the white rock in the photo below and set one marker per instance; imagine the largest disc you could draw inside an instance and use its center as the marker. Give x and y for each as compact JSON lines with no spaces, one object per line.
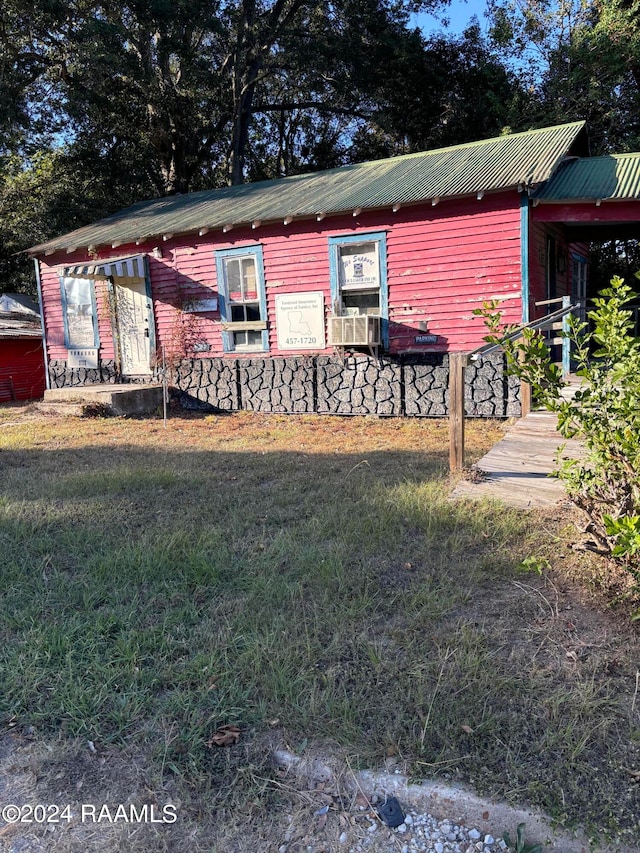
{"x":408,"y":820}
{"x":401,"y":828}
{"x":372,"y":827}
{"x":488,"y":840}
{"x":343,"y":838}
{"x":438,"y":847}
{"x":474,"y":835}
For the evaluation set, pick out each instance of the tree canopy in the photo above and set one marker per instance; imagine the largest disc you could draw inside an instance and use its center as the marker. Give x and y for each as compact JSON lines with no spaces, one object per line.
{"x":102,"y":104}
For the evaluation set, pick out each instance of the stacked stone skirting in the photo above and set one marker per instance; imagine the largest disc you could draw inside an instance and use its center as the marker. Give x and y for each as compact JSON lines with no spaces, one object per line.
{"x":61,"y":377}
{"x":356,"y":385}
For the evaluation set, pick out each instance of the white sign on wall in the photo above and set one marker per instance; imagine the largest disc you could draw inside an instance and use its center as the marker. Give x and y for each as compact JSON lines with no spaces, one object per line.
{"x":359,"y":267}
{"x":300,"y":320}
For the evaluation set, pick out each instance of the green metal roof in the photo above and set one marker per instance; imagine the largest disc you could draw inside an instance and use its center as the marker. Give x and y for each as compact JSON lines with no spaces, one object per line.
{"x":525,"y":159}
{"x":615,"y":178}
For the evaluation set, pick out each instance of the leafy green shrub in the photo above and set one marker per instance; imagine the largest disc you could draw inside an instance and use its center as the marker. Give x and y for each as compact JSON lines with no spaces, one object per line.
{"x":604,"y":413}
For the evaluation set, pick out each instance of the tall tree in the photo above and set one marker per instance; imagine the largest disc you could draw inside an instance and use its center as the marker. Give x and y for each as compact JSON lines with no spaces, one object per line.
{"x":183,"y":81}
{"x":135,"y":98}
{"x":580,"y":59}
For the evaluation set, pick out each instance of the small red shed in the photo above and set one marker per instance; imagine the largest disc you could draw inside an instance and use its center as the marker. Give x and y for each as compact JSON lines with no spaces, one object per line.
{"x":22,"y":371}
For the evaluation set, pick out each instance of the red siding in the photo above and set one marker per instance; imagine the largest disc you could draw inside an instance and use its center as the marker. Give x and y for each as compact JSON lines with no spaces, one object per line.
{"x":441,"y":268}
{"x":442,"y":262}
{"x":21,"y":369}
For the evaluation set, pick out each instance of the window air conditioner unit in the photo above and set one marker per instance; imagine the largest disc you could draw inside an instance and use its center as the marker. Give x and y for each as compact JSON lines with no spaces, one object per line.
{"x":363,"y":330}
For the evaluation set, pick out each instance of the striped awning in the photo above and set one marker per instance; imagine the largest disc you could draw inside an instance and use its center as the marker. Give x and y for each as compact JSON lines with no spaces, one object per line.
{"x":131,"y":266}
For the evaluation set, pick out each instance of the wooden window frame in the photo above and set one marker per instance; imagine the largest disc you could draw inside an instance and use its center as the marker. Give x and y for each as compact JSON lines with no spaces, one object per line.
{"x":379,"y":238}
{"x":230,"y":327}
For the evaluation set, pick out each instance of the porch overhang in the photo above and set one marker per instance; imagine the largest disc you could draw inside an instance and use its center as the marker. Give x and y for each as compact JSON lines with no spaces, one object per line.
{"x":592,"y":222}
{"x":595,"y":198}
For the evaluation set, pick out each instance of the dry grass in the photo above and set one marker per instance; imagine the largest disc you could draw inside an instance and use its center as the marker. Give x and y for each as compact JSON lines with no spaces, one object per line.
{"x":307,"y":579}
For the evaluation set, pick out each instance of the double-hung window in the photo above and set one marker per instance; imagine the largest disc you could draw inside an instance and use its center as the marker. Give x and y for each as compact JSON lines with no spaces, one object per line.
{"x":79,"y":313}
{"x":241,"y":293}
{"x":358,"y":269}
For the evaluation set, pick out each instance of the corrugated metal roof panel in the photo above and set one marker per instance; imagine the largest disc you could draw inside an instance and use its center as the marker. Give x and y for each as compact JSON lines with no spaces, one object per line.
{"x":616,"y":177}
{"x":492,"y":164}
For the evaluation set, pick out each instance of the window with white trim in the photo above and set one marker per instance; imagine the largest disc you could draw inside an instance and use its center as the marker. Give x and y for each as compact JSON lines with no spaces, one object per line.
{"x":243,"y":306}
{"x":79,"y":312}
{"x":358,"y":269}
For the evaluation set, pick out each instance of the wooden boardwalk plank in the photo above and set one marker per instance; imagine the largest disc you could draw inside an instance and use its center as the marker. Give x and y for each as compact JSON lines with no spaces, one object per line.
{"x":518,"y":468}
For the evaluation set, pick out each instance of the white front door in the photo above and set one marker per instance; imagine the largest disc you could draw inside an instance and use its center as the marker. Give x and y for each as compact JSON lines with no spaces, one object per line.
{"x":134,"y":314}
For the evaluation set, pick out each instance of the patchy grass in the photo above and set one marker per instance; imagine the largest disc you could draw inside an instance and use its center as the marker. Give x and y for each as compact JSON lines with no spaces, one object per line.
{"x":307,"y":576}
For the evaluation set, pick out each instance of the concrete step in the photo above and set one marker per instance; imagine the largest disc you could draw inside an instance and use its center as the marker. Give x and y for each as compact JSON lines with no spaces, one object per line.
{"x":121,"y":399}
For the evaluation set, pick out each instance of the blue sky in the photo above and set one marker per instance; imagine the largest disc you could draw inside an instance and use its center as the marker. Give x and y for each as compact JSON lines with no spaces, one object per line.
{"x":459,"y":12}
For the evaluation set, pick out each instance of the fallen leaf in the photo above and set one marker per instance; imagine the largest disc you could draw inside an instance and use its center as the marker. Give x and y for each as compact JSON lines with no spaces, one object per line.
{"x":467,"y":729}
{"x":635,"y":774}
{"x":227,"y":735}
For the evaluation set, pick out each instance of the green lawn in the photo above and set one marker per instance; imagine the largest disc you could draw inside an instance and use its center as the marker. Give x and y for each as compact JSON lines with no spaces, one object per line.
{"x":307,"y":576}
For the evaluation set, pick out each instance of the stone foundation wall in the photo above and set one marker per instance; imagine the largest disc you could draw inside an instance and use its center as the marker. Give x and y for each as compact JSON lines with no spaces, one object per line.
{"x":61,"y":377}
{"x":363,"y":385}
{"x":208,"y":383}
{"x":277,"y":384}
{"x":415,"y":386}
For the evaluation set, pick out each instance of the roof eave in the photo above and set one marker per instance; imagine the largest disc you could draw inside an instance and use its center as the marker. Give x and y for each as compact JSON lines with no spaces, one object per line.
{"x":54,"y":247}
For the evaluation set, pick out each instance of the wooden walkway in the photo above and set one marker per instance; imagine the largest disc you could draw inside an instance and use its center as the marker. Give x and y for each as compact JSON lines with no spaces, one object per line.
{"x":516,"y":469}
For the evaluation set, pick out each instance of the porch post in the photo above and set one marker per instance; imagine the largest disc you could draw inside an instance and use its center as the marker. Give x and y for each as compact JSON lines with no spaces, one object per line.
{"x":566,"y":343}
{"x":525,"y":391}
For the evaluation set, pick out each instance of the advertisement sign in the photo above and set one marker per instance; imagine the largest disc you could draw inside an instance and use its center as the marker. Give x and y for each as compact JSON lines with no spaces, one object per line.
{"x":359,"y":267}
{"x":300,"y":321}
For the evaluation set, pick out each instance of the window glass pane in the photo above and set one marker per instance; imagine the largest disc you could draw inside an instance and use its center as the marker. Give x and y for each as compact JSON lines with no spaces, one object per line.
{"x":240,"y":339}
{"x":238,"y":313}
{"x":234,"y":279}
{"x":249,"y":278}
{"x":364,"y":302}
{"x":252,"y":311}
{"x":79,"y":312}
{"x":254,"y":339}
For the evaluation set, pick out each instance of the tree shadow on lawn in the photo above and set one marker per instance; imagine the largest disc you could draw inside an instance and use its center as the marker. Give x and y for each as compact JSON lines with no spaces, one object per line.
{"x":151,"y":597}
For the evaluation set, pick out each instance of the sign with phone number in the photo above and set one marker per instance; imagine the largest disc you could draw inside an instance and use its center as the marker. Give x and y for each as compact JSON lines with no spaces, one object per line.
{"x":300,"y":321}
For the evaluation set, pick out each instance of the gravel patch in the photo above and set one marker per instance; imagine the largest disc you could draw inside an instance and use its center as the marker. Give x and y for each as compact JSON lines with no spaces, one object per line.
{"x":436,"y":818}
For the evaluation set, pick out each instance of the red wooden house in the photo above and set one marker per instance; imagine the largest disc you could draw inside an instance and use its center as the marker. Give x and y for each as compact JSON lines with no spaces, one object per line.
{"x":22,"y":374}
{"x":254,"y":294}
